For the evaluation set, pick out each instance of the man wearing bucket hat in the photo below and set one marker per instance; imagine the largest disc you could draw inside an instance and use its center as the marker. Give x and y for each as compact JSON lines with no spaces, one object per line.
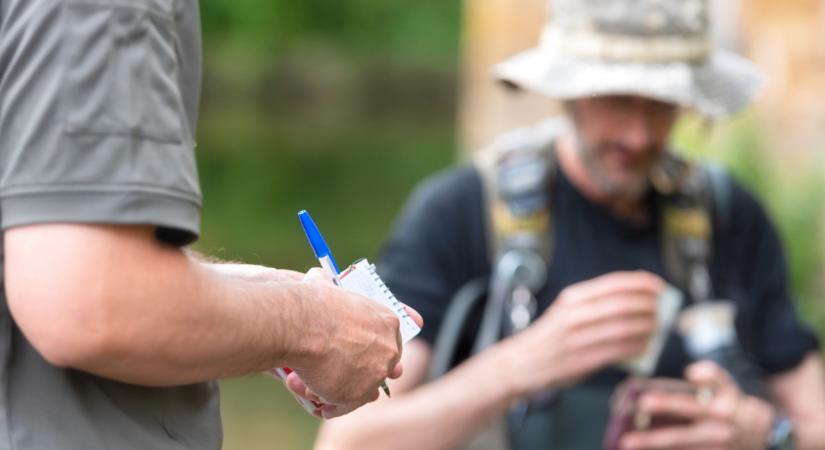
{"x":616,"y":217}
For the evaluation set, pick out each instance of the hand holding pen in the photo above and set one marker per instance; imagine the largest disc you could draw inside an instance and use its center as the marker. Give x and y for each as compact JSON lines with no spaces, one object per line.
{"x":324,"y":255}
{"x":362,"y":344}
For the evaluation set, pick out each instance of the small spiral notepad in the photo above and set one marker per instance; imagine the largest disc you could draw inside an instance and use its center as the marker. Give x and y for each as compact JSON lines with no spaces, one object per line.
{"x":361,"y":278}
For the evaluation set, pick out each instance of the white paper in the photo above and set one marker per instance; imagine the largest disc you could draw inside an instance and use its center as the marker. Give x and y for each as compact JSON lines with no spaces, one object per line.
{"x":361,"y":278}
{"x":667,"y":310}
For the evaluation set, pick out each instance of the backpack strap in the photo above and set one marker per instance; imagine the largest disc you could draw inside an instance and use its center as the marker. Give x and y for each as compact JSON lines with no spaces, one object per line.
{"x":686,"y":200}
{"x":721,"y":189}
{"x":517,"y":172}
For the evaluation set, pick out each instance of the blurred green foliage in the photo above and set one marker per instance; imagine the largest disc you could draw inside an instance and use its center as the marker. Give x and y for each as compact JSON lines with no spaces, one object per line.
{"x":425,"y":31}
{"x":322,"y":106}
{"x":335,"y":107}
{"x":340,"y":108}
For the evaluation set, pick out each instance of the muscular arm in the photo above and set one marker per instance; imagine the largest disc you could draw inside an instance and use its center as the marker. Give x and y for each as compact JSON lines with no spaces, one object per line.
{"x":800,"y":393}
{"x":115,"y":302}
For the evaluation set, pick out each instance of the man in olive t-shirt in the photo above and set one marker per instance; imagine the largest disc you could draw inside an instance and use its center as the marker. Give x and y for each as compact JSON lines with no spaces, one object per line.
{"x":109,"y":329}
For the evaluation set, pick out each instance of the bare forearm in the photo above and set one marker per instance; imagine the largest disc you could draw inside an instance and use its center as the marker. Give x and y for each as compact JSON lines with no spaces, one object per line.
{"x":158,"y":316}
{"x":191,"y":322}
{"x":451,"y":409}
{"x":809,"y":436}
{"x":800,"y":393}
{"x":809,"y":433}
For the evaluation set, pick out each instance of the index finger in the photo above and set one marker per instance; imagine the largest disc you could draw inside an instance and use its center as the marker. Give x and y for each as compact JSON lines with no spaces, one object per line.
{"x":708,"y":374}
{"x":416,"y":317}
{"x":676,"y":405}
{"x":614,"y":283}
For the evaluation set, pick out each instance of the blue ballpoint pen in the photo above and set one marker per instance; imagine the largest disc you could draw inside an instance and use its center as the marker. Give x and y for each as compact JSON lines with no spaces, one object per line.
{"x":324,"y":255}
{"x":319,"y":246}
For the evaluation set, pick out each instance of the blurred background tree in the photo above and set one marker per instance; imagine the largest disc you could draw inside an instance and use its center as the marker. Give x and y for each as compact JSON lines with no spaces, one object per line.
{"x":335,"y":107}
{"x":341,"y":107}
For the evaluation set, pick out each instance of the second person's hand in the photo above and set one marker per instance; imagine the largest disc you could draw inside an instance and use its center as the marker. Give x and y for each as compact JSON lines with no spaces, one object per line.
{"x":591,"y":324}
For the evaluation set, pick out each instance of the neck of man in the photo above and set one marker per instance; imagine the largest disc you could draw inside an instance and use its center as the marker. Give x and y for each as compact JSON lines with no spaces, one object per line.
{"x":632,"y":209}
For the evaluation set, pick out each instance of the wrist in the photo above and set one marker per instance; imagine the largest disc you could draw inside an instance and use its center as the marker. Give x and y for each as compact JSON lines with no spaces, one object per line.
{"x":781,"y":434}
{"x":304,"y":340}
{"x":511,"y":381}
{"x":763,"y":418}
{"x":765,"y":423}
{"x":525,"y":380}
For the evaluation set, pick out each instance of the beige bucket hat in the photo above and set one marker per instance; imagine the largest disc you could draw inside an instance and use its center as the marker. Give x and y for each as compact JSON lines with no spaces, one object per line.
{"x":659,"y":49}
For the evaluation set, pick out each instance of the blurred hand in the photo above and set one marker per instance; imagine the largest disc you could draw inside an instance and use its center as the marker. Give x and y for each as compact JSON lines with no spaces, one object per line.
{"x":590,"y":325}
{"x":362,"y":349}
{"x":724,"y":419}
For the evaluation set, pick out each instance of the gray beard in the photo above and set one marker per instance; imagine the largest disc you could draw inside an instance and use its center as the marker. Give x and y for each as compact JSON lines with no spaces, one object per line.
{"x":632,"y":190}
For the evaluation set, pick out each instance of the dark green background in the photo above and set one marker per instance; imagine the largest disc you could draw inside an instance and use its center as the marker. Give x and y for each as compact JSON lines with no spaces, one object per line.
{"x":340,"y":108}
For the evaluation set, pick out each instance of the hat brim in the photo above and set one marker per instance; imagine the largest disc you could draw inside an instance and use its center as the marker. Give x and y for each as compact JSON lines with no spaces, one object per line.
{"x":720,"y":86}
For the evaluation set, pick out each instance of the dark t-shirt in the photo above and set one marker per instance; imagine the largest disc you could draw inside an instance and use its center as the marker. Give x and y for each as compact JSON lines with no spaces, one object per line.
{"x":440,"y":243}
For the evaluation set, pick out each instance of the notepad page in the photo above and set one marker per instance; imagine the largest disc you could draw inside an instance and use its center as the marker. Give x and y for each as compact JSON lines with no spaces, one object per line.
{"x":667,"y":311}
{"x":362,"y":278}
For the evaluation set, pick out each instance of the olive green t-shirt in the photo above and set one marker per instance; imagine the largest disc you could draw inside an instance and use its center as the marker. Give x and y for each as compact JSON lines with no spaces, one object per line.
{"x":98,"y":106}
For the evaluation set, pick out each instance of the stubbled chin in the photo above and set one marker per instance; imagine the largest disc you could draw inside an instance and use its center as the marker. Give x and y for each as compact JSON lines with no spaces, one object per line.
{"x":626,"y":163}
{"x":626,"y":171}
{"x":619,"y":176}
{"x":627,"y":186}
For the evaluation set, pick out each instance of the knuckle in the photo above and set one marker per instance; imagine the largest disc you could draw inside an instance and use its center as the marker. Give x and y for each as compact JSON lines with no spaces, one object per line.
{"x":650,"y":281}
{"x":625,"y":278}
{"x":393,"y":321}
{"x":725,"y":412}
{"x":395,"y":356}
{"x":564,"y":295}
{"x":570,"y":294}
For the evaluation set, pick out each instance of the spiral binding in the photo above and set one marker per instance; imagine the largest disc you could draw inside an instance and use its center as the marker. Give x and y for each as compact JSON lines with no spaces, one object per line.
{"x":386,"y":291}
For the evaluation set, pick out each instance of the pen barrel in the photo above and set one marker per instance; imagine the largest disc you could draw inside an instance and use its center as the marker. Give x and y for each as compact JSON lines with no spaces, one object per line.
{"x":329,"y":267}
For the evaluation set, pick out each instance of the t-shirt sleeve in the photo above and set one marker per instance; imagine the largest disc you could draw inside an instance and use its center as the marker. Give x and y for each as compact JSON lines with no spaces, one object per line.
{"x":93,"y":127}
{"x":769,"y":323}
{"x":435,"y":246}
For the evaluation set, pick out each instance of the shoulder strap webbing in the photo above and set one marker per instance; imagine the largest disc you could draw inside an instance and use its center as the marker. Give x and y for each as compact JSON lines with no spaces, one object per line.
{"x":721,"y":189}
{"x":692,"y":197}
{"x":517,"y":172}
